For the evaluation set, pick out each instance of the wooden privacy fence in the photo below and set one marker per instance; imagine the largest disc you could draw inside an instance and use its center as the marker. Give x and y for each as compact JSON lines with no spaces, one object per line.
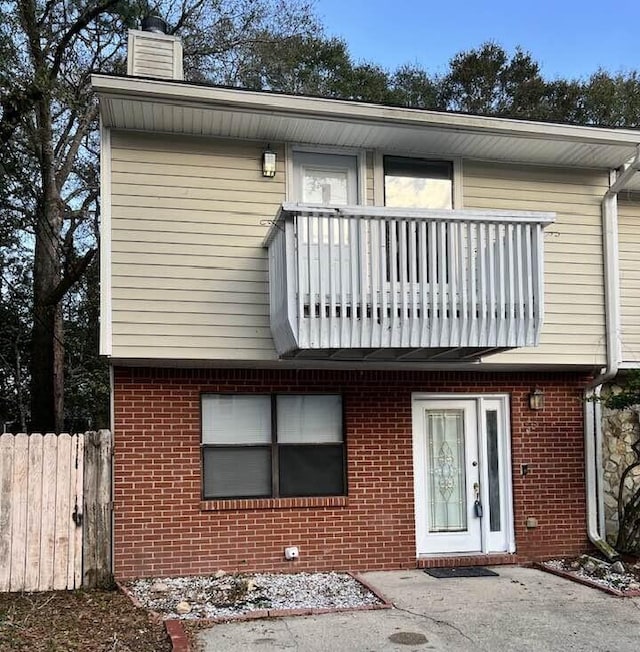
{"x":55,"y":511}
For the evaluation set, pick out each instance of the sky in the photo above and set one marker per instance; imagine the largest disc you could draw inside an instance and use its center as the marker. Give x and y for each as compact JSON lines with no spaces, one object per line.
{"x":568,"y":38}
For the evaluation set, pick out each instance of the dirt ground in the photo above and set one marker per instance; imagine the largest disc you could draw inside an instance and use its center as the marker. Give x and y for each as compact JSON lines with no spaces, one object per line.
{"x":91,"y":621}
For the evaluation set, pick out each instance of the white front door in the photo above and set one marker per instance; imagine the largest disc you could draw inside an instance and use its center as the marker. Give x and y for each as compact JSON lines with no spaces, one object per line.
{"x":324,"y":179}
{"x":461,"y":475}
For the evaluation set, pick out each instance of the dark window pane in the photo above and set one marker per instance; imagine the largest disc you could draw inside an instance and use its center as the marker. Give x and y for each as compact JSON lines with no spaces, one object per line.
{"x":237,"y":472}
{"x":311,"y":470}
{"x":494,"y":475}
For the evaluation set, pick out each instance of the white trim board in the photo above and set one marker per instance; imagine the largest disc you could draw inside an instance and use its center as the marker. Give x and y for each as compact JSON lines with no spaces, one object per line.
{"x":106,"y":339}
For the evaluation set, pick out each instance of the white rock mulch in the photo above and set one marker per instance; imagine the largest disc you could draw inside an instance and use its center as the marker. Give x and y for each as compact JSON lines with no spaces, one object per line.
{"x":225,"y":595}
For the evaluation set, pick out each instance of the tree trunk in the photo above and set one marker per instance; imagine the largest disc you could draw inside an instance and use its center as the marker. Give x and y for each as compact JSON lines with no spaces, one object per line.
{"x":47,"y":347}
{"x":47,"y":376}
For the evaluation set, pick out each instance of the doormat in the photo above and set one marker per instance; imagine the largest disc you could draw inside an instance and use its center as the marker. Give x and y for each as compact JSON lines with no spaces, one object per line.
{"x":460,"y":571}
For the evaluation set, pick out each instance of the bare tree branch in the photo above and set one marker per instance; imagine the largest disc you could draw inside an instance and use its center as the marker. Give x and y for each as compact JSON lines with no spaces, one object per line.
{"x":82,"y":22}
{"x":81,"y":130}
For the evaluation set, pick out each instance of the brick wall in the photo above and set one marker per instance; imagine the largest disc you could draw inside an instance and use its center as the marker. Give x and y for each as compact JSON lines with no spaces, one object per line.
{"x":162,"y":527}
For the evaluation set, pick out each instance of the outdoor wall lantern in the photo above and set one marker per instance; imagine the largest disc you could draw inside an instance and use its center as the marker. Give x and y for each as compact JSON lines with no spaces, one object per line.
{"x":536,"y":399}
{"x":268,"y":163}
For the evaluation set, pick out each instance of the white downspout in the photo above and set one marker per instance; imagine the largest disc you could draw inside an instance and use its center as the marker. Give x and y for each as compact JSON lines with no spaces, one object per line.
{"x":593,"y":415}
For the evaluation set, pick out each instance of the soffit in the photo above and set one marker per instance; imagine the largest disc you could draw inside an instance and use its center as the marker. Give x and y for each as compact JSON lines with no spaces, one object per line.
{"x":172,"y":107}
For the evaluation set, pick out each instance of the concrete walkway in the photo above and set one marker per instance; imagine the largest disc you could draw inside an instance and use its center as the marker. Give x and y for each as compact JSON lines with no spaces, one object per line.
{"x":522,"y":609}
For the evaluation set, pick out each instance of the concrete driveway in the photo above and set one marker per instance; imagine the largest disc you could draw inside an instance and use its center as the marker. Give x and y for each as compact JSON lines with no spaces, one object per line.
{"x":522,"y":609}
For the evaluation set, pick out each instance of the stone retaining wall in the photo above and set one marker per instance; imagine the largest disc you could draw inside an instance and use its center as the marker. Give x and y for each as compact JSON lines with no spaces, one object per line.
{"x":621,"y":428}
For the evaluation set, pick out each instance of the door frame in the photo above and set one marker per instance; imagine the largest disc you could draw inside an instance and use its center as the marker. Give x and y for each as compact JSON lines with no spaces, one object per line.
{"x":491,"y":542}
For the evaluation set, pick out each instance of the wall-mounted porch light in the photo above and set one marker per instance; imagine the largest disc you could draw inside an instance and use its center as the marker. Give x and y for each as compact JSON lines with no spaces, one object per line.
{"x":536,"y":399}
{"x":268,"y":163}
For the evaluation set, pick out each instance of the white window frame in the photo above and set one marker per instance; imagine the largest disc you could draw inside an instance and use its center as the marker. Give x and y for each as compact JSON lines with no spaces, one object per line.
{"x":360,"y":154}
{"x":378,"y":174}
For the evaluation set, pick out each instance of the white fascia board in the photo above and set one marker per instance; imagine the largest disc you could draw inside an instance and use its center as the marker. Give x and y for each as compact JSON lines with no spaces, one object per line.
{"x":343,"y":110}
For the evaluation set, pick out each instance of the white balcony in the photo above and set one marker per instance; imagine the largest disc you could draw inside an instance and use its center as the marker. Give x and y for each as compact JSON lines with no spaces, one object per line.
{"x":359,"y":282}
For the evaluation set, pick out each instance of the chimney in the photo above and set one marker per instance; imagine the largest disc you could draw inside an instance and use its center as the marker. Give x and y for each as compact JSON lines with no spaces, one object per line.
{"x":154,"y":53}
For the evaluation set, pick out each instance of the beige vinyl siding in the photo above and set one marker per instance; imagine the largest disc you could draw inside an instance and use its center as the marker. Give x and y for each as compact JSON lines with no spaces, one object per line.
{"x":370,"y":163}
{"x":189,"y":274}
{"x":629,"y":244}
{"x":573,"y":331}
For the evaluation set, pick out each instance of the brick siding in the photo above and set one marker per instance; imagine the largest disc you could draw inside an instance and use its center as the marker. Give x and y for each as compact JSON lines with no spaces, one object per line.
{"x":163,"y":527}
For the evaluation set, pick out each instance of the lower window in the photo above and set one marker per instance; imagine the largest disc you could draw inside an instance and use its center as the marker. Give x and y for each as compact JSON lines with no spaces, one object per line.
{"x":284,"y":445}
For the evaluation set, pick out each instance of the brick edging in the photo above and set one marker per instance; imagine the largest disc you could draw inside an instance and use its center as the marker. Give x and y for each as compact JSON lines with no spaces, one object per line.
{"x":385,"y":602}
{"x":153,"y":615}
{"x":585,"y":581}
{"x":180,"y":641}
{"x":178,"y":635}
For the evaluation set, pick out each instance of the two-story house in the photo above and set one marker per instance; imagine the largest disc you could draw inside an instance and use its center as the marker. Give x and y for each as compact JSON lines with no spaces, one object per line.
{"x":364,"y":331}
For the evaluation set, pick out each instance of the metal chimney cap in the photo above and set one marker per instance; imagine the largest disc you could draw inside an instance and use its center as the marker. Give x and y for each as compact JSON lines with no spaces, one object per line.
{"x":154,"y":24}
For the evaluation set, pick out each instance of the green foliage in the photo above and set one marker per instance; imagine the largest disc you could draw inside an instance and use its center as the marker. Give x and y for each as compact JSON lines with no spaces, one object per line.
{"x":306,"y":65}
{"x":628,"y":396}
{"x":612,"y":101}
{"x":412,"y":87}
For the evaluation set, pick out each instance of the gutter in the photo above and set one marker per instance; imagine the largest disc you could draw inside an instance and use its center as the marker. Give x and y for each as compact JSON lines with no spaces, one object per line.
{"x":592,"y":406}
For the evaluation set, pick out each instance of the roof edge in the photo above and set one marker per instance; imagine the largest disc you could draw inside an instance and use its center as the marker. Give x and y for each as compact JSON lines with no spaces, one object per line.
{"x":185,"y":93}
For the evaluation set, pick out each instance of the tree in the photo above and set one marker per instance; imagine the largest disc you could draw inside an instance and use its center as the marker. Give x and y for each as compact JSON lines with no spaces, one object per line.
{"x":486,"y":81}
{"x":48,"y":124}
{"x":50,"y":114}
{"x":412,"y":87}
{"x":612,"y":101}
{"x":300,"y":65}
{"x":15,"y":303}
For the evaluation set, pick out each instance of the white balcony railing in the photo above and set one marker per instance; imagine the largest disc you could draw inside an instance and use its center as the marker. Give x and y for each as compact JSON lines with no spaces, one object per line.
{"x":401,"y":280}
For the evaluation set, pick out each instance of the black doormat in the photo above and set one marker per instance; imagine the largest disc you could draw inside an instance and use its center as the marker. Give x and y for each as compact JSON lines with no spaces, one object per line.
{"x":460,"y":571}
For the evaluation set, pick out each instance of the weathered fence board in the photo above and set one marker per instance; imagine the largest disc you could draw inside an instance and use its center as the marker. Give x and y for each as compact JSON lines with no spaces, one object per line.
{"x":97,"y":509}
{"x":43,"y":479}
{"x":75,"y":570}
{"x":19,"y":509}
{"x":6,"y":482}
{"x":63,"y":514}
{"x":47,"y":531}
{"x":34,"y":515}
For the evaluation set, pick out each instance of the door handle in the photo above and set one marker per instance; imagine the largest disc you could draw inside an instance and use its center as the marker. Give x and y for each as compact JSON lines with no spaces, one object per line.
{"x":477,"y":505}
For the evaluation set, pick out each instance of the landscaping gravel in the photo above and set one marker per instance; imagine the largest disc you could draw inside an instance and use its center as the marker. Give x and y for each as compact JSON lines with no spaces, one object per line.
{"x":618,"y":575}
{"x":224,"y":595}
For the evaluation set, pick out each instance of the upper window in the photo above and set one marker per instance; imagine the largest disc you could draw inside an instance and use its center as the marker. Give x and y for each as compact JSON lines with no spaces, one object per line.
{"x":417,"y":183}
{"x":272,"y":445}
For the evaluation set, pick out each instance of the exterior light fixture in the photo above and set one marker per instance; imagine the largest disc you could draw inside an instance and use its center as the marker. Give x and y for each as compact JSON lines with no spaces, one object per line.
{"x":268,"y":163}
{"x":536,"y":399}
